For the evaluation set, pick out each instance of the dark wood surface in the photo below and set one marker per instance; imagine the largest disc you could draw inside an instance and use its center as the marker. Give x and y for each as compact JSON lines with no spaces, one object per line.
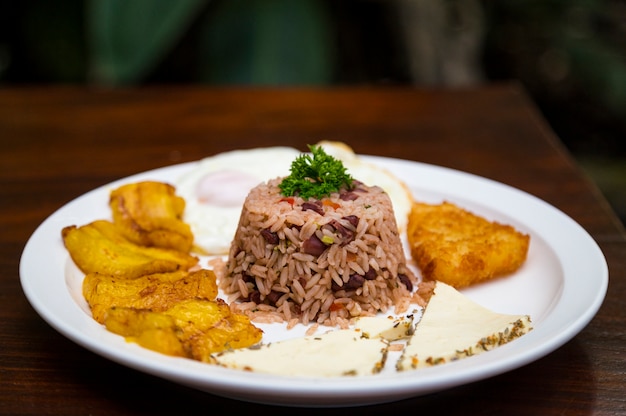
{"x":60,"y":142}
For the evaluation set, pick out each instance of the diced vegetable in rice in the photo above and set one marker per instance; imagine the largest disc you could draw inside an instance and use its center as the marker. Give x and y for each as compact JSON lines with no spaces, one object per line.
{"x":318,"y":260}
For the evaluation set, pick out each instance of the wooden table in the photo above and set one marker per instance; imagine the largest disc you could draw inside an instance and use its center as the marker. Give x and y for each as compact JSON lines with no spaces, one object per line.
{"x":60,"y":142}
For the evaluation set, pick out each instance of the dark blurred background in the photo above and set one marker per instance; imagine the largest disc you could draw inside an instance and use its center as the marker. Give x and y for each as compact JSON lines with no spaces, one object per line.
{"x":569,"y":55}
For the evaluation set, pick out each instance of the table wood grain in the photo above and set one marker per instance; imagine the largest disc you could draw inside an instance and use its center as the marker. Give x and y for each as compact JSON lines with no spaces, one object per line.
{"x":60,"y":142}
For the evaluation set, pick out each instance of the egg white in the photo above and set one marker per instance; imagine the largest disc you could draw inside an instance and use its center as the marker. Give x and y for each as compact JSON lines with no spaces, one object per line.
{"x":216,"y":188}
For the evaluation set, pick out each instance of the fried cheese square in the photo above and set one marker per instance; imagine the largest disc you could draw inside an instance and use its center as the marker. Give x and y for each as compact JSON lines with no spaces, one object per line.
{"x":454,"y":246}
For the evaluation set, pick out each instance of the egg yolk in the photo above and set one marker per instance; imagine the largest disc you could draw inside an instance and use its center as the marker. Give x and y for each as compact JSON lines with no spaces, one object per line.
{"x":225,"y":188}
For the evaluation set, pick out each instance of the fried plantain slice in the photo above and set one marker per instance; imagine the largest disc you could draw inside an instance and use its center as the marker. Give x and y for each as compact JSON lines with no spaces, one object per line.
{"x":457,"y":247}
{"x":233,"y":332}
{"x":156,"y":292}
{"x":203,"y":327}
{"x":150,"y":214}
{"x":153,"y":330}
{"x":210,"y":327}
{"x":99,"y":247}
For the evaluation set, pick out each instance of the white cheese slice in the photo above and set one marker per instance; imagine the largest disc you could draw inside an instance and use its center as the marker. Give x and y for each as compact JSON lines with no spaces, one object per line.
{"x":390,"y":328}
{"x":454,"y":327}
{"x":332,"y":354}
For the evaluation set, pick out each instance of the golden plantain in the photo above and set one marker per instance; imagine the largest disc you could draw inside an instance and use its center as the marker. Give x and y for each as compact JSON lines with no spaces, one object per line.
{"x":152,"y":330}
{"x":203,"y":327}
{"x":99,"y":247}
{"x":150,"y":214}
{"x":156,"y":292}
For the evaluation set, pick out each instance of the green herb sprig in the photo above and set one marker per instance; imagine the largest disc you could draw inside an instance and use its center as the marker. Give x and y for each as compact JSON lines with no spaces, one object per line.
{"x":315,"y":175}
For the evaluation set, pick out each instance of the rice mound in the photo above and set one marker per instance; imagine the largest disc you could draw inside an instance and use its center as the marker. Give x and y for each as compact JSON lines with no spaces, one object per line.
{"x":317,"y":261}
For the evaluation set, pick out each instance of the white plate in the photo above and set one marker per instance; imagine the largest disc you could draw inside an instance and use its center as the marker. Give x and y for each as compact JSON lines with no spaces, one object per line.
{"x":561,"y":286}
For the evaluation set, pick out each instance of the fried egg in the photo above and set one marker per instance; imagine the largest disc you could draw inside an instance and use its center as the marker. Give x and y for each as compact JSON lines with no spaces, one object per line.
{"x":216,"y":188}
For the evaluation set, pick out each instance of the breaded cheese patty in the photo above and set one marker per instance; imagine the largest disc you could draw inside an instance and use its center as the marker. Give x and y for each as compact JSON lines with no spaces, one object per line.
{"x":457,"y":247}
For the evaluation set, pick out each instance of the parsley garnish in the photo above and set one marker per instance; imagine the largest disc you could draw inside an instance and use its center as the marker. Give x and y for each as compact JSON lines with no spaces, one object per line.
{"x":315,"y":175}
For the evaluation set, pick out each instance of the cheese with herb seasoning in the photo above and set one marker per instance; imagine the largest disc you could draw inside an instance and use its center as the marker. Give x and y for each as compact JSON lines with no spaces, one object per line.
{"x":390,"y":328}
{"x":454,"y":327}
{"x":332,"y":354}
